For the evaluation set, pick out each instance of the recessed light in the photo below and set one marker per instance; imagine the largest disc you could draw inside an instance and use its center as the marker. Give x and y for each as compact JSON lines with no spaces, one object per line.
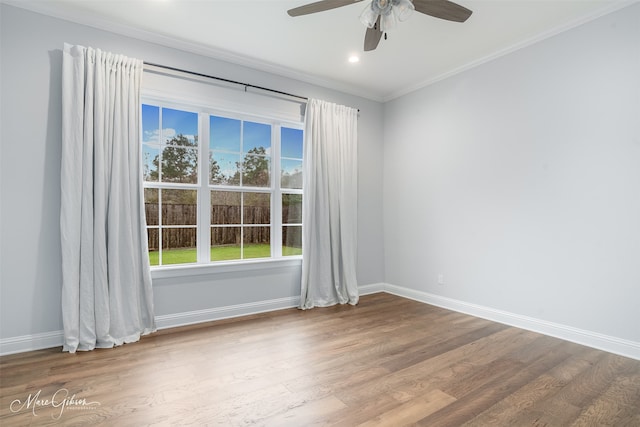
{"x":354,"y":58}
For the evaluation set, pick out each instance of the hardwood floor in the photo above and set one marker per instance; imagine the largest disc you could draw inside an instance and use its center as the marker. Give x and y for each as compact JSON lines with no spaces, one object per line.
{"x":387,"y":362}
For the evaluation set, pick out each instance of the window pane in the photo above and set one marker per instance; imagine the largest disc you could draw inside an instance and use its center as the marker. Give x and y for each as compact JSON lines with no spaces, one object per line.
{"x":257,"y":242}
{"x":292,"y":208}
{"x":225,"y":207}
{"x":224,"y":169}
{"x":179,"y":139}
{"x":225,"y":243}
{"x":257,"y":208}
{"x":180,"y":164}
{"x":291,"y":240}
{"x":256,"y":138}
{"x":150,"y":124}
{"x":178,"y":246}
{"x":151,"y":206}
{"x":179,"y":207}
{"x":215,"y":173}
{"x":291,"y":174}
{"x":255,"y":171}
{"x":153,"y":244}
{"x":224,"y":134}
{"x":291,"y":140}
{"x":179,"y":127}
{"x":150,"y":158}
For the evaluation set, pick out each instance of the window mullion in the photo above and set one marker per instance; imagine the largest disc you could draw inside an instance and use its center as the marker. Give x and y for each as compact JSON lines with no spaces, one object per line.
{"x":204,"y":194}
{"x":276,"y":199}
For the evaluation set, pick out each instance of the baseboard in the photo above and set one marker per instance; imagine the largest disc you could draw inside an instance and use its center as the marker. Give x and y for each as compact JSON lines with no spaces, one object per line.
{"x":208,"y":315}
{"x":41,"y":341}
{"x":219,"y":313}
{"x":615,"y":345}
{"x":26,"y":343}
{"x":44,"y":340}
{"x":373,"y":288}
{"x":580,"y":336}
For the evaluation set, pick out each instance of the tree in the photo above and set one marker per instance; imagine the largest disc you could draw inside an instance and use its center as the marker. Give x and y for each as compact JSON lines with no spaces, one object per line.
{"x":292,"y":208}
{"x":291,"y":180}
{"x":255,"y":168}
{"x":215,"y":173}
{"x":179,"y":161}
{"x":179,"y":164}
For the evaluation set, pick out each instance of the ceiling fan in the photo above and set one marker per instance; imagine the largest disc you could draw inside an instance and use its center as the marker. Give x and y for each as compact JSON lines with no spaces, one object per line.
{"x":382,"y":15}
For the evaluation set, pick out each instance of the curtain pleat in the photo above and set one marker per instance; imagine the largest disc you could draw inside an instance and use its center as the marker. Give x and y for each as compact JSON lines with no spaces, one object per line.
{"x":330,"y":206}
{"x":106,"y":290}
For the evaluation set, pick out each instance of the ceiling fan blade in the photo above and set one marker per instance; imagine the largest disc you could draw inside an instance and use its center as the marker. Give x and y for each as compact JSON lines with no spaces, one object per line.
{"x":319,"y":6}
{"x":372,"y":37}
{"x":443,"y":9}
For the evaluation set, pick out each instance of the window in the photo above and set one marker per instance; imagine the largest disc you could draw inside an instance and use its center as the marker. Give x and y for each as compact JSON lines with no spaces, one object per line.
{"x":291,"y":185}
{"x":210,"y":187}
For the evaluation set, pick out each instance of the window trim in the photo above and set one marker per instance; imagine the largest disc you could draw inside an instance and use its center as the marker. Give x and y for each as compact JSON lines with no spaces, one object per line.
{"x":224,"y":267}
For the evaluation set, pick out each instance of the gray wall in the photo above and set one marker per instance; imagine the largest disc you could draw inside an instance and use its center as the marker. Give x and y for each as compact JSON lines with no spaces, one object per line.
{"x":30,"y":270}
{"x":519,"y":181}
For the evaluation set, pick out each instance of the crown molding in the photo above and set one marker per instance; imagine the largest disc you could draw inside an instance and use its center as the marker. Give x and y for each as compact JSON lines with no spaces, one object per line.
{"x":515,"y":47}
{"x":90,"y":20}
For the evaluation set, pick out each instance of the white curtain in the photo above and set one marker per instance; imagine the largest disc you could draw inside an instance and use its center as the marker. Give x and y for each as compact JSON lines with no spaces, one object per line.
{"x":106,"y":281}
{"x":329,"y":205}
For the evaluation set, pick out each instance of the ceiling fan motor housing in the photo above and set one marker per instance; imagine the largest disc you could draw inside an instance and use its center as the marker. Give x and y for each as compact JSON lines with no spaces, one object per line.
{"x":383,"y":7}
{"x":390,"y":11}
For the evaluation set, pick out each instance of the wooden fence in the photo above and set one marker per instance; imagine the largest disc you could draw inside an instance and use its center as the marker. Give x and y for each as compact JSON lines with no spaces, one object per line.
{"x":186,"y":215}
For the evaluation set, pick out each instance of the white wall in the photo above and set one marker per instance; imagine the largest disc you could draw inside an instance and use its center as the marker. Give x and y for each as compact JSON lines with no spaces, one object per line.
{"x":519,"y":181}
{"x":30,"y":272}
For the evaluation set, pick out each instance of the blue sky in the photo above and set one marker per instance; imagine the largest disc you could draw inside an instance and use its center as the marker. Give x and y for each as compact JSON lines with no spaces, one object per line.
{"x":256,"y":135}
{"x":174,"y":122}
{"x":150,"y":123}
{"x":224,"y":132}
{"x":224,"y":137}
{"x":291,"y":143}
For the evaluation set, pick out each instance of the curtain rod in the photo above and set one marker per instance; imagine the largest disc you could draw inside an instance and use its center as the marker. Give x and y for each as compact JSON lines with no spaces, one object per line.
{"x":246,"y":85}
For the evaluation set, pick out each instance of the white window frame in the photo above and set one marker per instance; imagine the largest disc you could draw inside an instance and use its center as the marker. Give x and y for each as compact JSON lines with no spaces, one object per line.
{"x":204,"y":265}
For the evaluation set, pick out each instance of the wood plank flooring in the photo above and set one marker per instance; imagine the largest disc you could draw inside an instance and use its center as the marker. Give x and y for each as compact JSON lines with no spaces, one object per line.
{"x":387,"y":362}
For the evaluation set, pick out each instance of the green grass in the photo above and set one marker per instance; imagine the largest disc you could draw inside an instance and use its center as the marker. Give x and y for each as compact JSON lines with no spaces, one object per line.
{"x":220,"y":253}
{"x":290,"y":251}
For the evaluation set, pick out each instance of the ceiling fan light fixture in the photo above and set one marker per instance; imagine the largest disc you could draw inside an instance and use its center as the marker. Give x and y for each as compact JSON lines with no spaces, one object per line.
{"x":369,"y":16}
{"x":403,"y":9}
{"x":379,"y":16}
{"x":388,"y":21}
{"x":389,"y":11}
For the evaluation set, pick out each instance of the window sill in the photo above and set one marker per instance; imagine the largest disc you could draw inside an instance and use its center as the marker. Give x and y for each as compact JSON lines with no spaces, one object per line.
{"x":224,"y":267}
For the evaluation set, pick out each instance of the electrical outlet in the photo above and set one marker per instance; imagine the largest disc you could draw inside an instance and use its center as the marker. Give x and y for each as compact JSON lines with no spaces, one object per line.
{"x":440,"y":279}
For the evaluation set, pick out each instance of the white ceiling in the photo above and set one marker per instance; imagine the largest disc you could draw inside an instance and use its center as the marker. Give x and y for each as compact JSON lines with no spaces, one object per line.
{"x":315,"y":48}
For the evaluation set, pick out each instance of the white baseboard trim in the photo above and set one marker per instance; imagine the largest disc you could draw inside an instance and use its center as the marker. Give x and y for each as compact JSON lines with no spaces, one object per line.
{"x":208,"y":315}
{"x":44,"y":340}
{"x":596,"y":340}
{"x":219,"y":313}
{"x":373,"y":288}
{"x":26,"y":343}
{"x":615,"y":345}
